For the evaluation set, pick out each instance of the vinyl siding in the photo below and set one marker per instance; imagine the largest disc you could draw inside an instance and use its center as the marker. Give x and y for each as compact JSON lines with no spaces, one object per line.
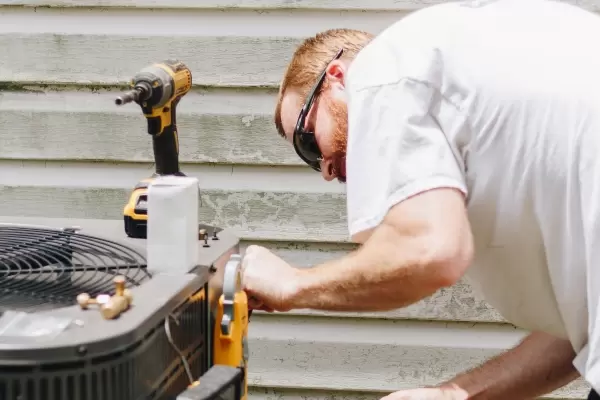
{"x":67,"y":151}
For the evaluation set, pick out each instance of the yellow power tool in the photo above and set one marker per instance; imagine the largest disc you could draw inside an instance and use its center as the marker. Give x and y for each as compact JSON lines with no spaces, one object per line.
{"x":231,"y":331}
{"x":158,"y":89}
{"x":230,"y":343}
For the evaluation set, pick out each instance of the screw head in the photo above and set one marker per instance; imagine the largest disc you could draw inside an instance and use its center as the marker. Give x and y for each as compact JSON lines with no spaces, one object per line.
{"x":81,"y":350}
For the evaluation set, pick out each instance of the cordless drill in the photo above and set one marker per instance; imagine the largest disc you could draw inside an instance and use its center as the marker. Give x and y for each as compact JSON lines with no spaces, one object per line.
{"x":158,"y":89}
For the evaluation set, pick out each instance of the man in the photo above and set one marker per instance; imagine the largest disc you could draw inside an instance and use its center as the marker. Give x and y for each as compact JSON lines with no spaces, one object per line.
{"x":468,"y":134}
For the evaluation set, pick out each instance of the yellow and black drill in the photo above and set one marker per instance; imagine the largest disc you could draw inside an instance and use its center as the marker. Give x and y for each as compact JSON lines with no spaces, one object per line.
{"x":158,"y":89}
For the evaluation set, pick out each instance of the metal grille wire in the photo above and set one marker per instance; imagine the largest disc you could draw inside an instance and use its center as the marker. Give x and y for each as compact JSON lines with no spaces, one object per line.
{"x":45,"y":268}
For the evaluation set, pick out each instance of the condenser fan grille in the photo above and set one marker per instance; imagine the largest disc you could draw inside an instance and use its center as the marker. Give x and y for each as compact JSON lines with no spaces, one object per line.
{"x":43,"y":268}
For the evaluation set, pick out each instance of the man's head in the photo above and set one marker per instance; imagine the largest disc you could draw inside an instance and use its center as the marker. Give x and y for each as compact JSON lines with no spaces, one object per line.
{"x":320,"y":137}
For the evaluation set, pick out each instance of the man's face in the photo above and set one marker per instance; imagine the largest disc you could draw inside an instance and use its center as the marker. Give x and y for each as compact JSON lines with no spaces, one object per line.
{"x":327,"y":118}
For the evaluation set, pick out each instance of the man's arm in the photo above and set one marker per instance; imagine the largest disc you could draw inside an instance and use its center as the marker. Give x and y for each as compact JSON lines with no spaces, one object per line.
{"x":423,"y":244}
{"x":539,"y":365}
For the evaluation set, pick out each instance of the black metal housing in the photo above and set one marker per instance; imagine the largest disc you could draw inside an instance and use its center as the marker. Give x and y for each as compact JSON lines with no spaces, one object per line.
{"x":128,"y":358}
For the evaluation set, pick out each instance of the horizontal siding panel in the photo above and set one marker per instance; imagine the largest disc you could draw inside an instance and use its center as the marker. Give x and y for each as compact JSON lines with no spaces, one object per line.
{"x":258,"y":4}
{"x":254,"y":214}
{"x":233,"y":48}
{"x":263,"y":203}
{"x":215,"y":126}
{"x":215,"y":61}
{"x":371,"y":356}
{"x":121,"y":175}
{"x":177,"y":23}
{"x":252,"y":4}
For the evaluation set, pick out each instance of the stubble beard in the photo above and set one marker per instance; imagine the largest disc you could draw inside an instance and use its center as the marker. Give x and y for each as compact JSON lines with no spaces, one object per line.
{"x":339,"y":112}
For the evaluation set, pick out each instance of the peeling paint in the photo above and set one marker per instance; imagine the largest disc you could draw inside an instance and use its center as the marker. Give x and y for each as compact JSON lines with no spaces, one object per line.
{"x":247,"y":120}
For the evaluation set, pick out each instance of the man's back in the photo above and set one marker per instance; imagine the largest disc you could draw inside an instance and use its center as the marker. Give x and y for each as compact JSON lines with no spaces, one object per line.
{"x":515,"y":87}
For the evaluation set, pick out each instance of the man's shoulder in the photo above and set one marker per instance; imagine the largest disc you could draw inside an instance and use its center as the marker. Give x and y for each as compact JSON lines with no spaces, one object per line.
{"x":409,"y":48}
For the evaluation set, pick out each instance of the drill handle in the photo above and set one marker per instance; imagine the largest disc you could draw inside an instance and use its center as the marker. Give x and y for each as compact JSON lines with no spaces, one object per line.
{"x":166,"y":151}
{"x":166,"y":144}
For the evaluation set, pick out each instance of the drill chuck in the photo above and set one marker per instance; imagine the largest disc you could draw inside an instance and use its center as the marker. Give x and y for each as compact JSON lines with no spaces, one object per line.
{"x":140,"y":92}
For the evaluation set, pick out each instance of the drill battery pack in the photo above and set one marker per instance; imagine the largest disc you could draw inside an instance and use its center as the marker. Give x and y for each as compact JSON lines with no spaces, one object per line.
{"x":135,"y":213}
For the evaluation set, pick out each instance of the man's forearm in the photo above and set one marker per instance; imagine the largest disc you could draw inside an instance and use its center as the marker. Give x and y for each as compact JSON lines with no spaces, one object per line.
{"x":539,"y":365}
{"x":386,"y":274}
{"x":357,"y":283}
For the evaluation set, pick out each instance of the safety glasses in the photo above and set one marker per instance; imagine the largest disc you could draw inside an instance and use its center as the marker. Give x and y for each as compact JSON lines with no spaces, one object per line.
{"x":305,"y":142}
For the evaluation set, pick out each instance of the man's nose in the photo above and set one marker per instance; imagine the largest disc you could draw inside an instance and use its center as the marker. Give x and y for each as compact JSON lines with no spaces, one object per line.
{"x":327,"y":170}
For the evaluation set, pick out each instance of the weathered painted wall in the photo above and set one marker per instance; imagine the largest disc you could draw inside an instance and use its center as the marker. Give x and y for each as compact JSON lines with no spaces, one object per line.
{"x":67,"y":150}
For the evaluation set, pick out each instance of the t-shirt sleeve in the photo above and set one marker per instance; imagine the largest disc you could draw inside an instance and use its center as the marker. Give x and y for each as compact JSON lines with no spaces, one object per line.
{"x":395,"y":150}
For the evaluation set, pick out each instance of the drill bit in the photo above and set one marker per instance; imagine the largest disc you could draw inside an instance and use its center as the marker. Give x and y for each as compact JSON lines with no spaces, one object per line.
{"x":129,"y":96}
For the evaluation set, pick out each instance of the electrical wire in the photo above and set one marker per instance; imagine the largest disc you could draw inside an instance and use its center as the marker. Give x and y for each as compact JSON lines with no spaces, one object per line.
{"x":186,"y":365}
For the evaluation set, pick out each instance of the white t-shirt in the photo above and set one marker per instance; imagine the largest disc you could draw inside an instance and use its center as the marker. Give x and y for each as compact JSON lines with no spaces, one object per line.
{"x":500,"y":99}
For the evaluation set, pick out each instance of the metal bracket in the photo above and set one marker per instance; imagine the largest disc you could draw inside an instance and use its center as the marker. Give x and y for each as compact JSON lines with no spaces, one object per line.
{"x":232,"y":284}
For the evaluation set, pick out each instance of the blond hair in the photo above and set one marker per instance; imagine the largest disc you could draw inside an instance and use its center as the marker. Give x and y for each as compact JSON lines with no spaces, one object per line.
{"x":311,"y":57}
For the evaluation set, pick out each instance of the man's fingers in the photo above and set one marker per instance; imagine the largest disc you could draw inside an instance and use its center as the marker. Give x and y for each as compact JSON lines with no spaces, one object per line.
{"x":254,"y":303}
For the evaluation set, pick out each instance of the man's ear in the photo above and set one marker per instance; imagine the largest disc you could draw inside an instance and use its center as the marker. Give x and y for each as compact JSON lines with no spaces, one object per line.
{"x":336,"y":72}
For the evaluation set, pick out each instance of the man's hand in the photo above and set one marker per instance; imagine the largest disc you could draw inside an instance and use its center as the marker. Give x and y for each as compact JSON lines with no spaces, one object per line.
{"x":268,"y":280}
{"x":450,"y":393}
